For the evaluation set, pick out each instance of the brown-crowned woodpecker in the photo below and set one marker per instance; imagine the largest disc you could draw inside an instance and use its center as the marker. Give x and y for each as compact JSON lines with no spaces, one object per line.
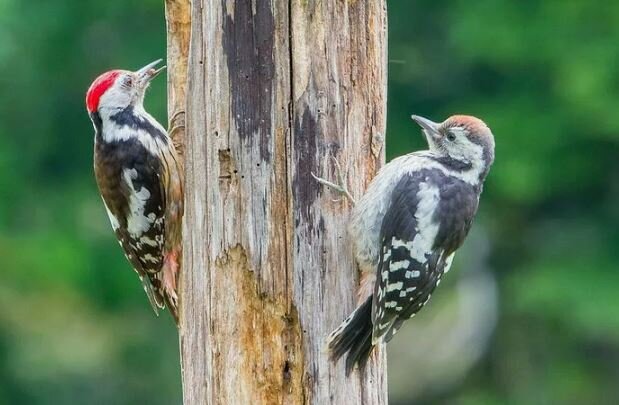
{"x":406,"y":228}
{"x":139,"y":176}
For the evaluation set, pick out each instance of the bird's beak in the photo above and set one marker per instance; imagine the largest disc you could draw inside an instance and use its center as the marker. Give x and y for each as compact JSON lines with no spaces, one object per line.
{"x":430,"y":130}
{"x":429,"y":127}
{"x":148,"y":72}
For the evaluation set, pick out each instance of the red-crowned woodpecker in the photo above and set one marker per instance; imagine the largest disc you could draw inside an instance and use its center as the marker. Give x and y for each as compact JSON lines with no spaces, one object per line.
{"x":140,"y":179}
{"x":406,"y":228}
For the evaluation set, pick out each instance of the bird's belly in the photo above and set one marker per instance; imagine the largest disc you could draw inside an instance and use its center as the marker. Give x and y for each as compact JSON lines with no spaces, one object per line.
{"x":367,"y":216}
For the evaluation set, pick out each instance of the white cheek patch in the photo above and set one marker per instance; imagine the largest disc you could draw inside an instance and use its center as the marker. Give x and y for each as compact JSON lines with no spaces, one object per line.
{"x":137,"y":221}
{"x":466,"y":150}
{"x":474,"y":151}
{"x":115,"y":97}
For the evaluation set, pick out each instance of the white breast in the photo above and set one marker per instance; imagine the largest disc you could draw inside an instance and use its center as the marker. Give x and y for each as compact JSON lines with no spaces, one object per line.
{"x":367,"y":215}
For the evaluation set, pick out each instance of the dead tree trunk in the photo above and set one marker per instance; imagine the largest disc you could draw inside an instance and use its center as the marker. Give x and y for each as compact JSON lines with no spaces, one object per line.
{"x":275,"y":88}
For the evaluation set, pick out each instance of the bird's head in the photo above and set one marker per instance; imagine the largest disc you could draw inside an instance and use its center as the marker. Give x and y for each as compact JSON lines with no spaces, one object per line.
{"x":461,"y":137}
{"x":118,"y":89}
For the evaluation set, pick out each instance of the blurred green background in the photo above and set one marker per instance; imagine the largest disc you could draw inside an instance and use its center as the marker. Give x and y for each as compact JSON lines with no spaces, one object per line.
{"x":529,"y":316}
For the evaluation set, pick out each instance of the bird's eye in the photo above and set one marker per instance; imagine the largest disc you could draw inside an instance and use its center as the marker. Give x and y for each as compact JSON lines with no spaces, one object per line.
{"x":127,"y":81}
{"x":451,"y":136}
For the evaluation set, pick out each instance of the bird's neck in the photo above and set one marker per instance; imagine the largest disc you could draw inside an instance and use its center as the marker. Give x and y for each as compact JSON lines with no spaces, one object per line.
{"x":479,"y":168}
{"x":121,"y":115}
{"x":117,"y":124}
{"x":474,"y":172}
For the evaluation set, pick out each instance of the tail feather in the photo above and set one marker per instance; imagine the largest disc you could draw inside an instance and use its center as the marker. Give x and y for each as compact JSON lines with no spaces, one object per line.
{"x":155,"y":300}
{"x":353,"y":336}
{"x":173,"y":308}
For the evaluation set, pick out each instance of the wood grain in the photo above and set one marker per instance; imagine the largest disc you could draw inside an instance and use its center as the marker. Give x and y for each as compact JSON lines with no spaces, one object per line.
{"x":275,"y":88}
{"x":178,"y":24}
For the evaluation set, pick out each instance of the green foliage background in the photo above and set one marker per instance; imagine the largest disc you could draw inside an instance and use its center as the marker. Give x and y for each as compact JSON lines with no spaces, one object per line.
{"x":75,"y":326}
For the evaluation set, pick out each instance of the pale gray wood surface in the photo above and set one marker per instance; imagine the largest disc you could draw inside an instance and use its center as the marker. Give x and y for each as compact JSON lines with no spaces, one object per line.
{"x":275,"y":88}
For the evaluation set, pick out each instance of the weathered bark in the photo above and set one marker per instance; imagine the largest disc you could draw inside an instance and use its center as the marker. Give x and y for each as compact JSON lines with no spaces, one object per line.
{"x":178,"y":23}
{"x":275,"y":88}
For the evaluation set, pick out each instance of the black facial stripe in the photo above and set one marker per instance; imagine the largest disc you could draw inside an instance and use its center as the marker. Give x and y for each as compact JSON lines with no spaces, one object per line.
{"x":487,"y":151}
{"x":127,"y":117}
{"x":452,"y":164}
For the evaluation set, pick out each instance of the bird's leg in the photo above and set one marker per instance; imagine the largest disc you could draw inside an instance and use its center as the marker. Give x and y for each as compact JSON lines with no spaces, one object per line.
{"x":340,"y":186}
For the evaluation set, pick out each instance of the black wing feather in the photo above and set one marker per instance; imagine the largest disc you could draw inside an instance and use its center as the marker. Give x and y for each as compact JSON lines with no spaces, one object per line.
{"x":144,"y":250}
{"x":404,"y":283}
{"x":408,"y":273}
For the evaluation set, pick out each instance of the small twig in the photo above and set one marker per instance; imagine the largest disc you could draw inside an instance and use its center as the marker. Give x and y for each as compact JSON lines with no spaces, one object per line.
{"x":341,"y":188}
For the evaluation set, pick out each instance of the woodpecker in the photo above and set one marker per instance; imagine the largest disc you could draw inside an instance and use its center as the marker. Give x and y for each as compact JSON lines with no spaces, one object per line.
{"x":139,"y":176}
{"x":406,"y":228}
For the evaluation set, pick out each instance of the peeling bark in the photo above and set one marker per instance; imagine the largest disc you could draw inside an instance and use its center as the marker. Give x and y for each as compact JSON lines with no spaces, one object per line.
{"x":274,"y":89}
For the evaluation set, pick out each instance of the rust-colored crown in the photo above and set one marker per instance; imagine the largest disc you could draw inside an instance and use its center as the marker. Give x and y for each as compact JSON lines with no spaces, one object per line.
{"x":472,"y":124}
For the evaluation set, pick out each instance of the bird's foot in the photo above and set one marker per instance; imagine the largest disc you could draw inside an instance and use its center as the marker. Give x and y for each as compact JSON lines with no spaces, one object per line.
{"x":340,"y":186}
